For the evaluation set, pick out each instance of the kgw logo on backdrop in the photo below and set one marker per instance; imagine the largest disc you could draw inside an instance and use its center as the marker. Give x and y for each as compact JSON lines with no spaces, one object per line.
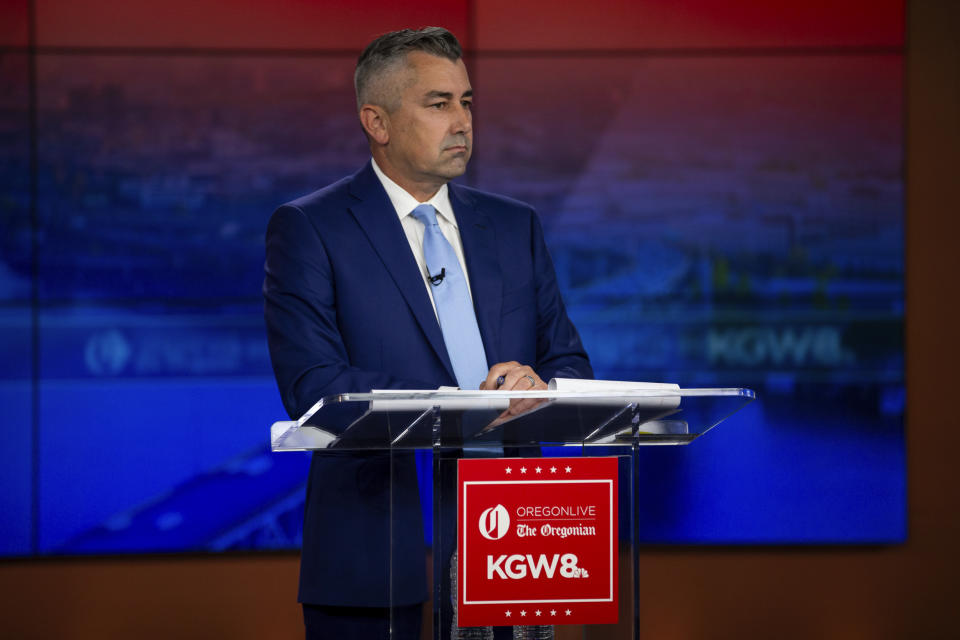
{"x":537,"y":540}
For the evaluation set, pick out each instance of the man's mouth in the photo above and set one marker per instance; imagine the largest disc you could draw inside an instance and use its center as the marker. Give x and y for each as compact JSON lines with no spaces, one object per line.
{"x":457,"y":147}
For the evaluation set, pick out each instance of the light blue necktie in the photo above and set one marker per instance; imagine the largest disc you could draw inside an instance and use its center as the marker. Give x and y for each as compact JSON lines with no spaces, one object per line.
{"x":458,"y":322}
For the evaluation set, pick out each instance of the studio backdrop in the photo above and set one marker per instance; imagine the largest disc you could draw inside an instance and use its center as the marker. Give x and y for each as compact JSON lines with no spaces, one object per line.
{"x":720,"y":183}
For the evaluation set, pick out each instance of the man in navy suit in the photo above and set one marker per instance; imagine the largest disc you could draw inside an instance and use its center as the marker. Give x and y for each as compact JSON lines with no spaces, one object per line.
{"x":349,"y":308}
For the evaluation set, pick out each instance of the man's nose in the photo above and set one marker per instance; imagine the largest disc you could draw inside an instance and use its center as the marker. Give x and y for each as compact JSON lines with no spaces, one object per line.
{"x":463,"y":120}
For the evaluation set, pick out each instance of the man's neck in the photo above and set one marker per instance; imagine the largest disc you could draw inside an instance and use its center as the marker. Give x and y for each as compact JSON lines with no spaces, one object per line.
{"x":421,"y":191}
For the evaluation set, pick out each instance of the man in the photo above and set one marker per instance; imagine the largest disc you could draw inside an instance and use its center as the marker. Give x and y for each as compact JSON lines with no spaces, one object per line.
{"x":394,"y":279}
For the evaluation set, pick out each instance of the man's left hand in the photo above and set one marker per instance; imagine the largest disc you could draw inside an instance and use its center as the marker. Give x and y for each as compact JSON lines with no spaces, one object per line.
{"x":512,"y":376}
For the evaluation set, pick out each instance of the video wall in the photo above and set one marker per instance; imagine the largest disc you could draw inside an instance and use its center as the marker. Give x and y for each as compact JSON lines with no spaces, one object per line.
{"x":722,"y":194}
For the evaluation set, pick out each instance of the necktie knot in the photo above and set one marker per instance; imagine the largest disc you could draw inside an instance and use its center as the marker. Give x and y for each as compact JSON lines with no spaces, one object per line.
{"x":426,"y":214}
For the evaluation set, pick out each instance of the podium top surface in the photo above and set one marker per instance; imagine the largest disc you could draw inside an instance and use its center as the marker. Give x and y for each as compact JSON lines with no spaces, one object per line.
{"x":414,"y":419}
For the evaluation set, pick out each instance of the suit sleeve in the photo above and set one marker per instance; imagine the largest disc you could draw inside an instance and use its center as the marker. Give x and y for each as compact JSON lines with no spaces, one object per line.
{"x":306,"y":349}
{"x":560,"y":353}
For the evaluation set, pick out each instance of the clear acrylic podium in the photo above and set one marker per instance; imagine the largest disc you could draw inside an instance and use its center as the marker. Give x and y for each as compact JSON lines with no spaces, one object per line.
{"x":445,"y":426}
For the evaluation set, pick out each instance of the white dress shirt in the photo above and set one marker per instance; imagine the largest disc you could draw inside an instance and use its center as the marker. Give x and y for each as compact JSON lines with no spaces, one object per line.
{"x":404,"y":204}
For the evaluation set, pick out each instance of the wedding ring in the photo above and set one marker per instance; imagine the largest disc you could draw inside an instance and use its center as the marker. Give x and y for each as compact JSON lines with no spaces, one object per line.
{"x":533,"y":382}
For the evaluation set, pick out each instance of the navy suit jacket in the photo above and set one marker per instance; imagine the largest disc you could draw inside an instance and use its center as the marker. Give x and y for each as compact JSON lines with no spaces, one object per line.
{"x":347,"y":310}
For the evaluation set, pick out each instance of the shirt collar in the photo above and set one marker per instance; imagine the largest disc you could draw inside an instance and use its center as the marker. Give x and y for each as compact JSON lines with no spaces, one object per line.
{"x":404,"y":203}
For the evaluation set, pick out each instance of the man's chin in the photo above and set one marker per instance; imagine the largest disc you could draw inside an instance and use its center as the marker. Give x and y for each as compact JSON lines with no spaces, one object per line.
{"x":456,"y":168}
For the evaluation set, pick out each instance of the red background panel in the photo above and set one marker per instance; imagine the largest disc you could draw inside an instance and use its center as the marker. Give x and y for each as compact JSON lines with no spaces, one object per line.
{"x":281,"y":24}
{"x":678,"y":24}
{"x":13,"y":23}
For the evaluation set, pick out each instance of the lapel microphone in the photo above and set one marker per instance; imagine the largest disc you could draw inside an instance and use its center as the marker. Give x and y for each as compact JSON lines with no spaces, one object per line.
{"x":437,"y":279}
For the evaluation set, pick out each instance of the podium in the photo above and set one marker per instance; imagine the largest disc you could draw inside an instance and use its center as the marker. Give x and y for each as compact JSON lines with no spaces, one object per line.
{"x":543,"y":486}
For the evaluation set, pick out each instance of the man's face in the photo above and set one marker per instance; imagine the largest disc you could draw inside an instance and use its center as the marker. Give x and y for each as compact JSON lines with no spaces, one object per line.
{"x":431,"y":132}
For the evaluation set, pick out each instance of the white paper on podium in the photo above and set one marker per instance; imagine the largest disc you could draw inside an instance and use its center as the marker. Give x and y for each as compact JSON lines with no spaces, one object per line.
{"x":664,"y":395}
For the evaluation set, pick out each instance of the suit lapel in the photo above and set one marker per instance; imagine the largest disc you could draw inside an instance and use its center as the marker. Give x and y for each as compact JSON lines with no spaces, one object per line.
{"x":376,"y":216}
{"x":483,"y":268}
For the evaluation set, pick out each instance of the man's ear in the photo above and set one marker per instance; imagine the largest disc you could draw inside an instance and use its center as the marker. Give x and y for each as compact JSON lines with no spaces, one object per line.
{"x":375,"y":122}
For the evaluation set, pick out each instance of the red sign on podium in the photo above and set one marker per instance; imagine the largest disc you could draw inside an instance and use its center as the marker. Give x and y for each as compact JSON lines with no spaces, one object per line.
{"x":537,"y":541}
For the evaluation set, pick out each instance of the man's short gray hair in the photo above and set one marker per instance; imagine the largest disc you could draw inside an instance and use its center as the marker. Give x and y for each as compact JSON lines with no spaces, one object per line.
{"x":389,"y":51}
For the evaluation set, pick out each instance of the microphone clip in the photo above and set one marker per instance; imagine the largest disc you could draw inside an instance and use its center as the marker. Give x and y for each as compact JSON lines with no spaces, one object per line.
{"x":437,"y":279}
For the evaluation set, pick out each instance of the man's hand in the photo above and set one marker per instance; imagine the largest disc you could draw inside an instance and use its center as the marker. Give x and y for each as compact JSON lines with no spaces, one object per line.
{"x":512,"y":376}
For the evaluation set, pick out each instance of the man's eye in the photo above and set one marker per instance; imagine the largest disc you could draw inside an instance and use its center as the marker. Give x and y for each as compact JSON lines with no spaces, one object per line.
{"x":467,"y":104}
{"x":437,"y":105}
